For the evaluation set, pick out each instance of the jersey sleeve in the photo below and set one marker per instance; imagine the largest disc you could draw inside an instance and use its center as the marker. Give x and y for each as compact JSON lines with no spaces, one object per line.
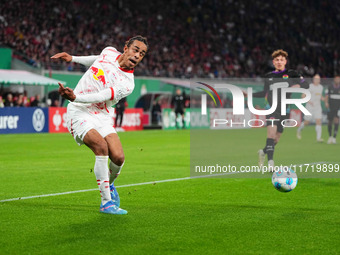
{"x":263,"y":93}
{"x":111,"y":51}
{"x":297,"y":78}
{"x":84,"y":60}
{"x":101,"y":96}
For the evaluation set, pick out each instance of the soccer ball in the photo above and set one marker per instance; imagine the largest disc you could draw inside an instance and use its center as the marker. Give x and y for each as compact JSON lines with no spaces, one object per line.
{"x":284,"y":179}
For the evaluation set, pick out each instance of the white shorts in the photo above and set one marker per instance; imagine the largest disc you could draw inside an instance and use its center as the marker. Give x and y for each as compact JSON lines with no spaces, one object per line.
{"x":80,"y":121}
{"x":315,"y":111}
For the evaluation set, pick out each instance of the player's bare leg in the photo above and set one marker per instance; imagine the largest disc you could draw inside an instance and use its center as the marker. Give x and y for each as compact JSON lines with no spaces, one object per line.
{"x":116,"y":155}
{"x":262,"y":158}
{"x":277,"y":138}
{"x":96,"y":143}
{"x":272,"y":136}
{"x":101,"y":150}
{"x":117,"y":158}
{"x":318,"y":129}
{"x":272,"y":139}
{"x":302,"y":126}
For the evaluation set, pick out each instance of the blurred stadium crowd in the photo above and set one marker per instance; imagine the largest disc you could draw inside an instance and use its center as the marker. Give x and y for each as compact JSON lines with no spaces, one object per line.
{"x":16,"y":99}
{"x":188,"y":38}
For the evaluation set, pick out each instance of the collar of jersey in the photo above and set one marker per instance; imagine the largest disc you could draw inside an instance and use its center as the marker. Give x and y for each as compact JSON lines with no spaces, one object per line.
{"x":279,"y":71}
{"x":124,"y":70}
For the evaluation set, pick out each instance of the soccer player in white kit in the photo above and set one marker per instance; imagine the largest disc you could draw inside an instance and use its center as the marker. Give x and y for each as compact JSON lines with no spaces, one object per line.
{"x":314,"y":107}
{"x":89,"y":114}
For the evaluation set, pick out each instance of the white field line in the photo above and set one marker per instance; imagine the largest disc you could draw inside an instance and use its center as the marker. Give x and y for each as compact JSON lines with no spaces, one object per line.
{"x":135,"y":184}
{"x":120,"y":186}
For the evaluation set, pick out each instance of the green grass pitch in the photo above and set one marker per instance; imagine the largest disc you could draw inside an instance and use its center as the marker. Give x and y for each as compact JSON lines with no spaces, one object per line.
{"x":193,"y":216}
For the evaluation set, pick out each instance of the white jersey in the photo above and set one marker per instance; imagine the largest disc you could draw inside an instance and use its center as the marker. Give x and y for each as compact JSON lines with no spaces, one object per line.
{"x":316,"y":95}
{"x":105,"y":73}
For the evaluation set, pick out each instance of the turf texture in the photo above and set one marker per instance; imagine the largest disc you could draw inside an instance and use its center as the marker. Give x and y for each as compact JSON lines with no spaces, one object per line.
{"x":191,"y":216}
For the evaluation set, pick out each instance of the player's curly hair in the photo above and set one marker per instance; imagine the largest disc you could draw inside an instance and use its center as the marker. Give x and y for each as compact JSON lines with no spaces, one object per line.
{"x":279,"y":52}
{"x":138,"y":38}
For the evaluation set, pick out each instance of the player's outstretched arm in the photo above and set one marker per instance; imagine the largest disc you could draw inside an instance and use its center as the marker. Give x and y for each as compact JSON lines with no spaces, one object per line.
{"x":101,"y":96}
{"x":63,"y":55}
{"x":84,"y":60}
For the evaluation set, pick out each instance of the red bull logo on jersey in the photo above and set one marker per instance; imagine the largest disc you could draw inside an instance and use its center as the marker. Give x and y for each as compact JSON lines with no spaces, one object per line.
{"x":98,"y":74}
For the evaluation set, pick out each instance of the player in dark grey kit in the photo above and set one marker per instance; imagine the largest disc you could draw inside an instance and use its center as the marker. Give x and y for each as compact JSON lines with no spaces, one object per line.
{"x":178,"y":102}
{"x":332,"y":102}
{"x":283,"y":78}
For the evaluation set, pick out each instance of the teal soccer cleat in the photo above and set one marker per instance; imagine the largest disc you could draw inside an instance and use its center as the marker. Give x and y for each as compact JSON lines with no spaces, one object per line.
{"x":114,"y":195}
{"x":111,"y":208}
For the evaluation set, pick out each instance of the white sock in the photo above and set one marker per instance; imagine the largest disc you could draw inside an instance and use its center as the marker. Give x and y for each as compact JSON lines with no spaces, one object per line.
{"x":301,"y":126}
{"x":318,"y":130}
{"x":114,"y":171}
{"x":101,"y":171}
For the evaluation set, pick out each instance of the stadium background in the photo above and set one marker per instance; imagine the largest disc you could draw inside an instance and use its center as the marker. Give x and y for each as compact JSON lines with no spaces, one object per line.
{"x":202,"y":39}
{"x":206,"y":40}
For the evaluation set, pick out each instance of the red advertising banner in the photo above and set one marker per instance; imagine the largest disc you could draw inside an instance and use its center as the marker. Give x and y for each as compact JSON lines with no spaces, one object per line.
{"x":146,"y":119}
{"x":57,"y":120}
{"x":132,"y":119}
